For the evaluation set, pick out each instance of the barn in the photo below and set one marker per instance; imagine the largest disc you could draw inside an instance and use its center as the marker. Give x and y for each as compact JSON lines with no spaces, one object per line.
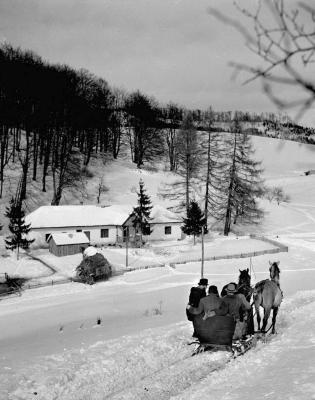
{"x":66,"y":244}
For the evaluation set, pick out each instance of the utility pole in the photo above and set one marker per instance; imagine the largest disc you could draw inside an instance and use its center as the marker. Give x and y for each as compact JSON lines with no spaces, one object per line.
{"x":202,"y":250}
{"x":127,"y":239}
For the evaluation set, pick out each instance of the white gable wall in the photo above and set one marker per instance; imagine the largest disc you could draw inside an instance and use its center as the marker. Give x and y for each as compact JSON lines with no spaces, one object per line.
{"x":158,"y":231}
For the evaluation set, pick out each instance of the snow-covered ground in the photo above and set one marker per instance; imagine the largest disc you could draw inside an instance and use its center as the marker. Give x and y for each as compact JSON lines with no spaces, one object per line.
{"x":53,"y":348}
{"x":157,"y":364}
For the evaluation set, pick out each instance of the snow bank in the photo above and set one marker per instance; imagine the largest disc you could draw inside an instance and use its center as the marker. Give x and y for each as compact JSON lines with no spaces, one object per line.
{"x":157,"y":364}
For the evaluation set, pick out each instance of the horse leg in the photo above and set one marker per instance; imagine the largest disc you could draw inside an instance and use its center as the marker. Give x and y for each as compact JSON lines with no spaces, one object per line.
{"x":274,"y":317}
{"x":250,"y":323}
{"x":257,"y":306}
{"x":266,"y":317}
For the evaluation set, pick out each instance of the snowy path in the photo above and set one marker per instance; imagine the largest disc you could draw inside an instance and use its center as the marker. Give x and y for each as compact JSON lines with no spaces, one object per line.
{"x":156,"y":364}
{"x":282,"y":369}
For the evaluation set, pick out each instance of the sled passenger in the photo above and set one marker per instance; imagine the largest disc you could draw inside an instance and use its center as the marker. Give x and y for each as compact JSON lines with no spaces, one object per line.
{"x":196,"y":294}
{"x":208,"y":303}
{"x":232,"y":304}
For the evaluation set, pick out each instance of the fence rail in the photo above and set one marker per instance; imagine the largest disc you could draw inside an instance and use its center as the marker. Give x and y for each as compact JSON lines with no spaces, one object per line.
{"x":279,"y":248}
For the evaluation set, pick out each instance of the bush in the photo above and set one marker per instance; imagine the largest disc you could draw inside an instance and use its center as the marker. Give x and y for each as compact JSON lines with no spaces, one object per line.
{"x":277,"y":193}
{"x":86,"y":172}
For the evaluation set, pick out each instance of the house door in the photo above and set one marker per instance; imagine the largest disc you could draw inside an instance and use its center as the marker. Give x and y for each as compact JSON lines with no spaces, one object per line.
{"x":125,"y":233}
{"x":87,"y":234}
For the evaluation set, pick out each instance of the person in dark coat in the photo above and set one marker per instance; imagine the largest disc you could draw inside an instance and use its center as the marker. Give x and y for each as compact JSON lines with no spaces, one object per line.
{"x":196,"y":294}
{"x":208,"y":303}
{"x":232,"y":304}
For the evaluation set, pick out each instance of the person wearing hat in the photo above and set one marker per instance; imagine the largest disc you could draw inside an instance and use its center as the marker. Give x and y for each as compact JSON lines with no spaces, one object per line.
{"x":232,"y":304}
{"x":196,"y":294}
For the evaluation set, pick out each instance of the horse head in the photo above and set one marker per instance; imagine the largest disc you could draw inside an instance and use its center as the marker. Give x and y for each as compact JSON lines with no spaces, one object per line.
{"x":244,"y":277}
{"x":274,"y":271}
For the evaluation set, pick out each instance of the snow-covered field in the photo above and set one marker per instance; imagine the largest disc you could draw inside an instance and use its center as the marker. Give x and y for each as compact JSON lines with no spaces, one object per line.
{"x":53,"y":348}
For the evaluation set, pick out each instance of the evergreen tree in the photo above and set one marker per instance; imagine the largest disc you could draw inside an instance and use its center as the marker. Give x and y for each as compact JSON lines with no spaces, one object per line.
{"x":17,"y":227}
{"x":195,"y":220}
{"x":142,"y":212}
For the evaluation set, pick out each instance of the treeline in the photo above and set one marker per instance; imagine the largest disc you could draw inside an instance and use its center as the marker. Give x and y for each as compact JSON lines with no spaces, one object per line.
{"x":54,"y":119}
{"x":287,"y":131}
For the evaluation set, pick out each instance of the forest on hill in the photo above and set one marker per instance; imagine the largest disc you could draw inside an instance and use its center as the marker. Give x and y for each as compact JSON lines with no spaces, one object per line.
{"x":55,"y":119}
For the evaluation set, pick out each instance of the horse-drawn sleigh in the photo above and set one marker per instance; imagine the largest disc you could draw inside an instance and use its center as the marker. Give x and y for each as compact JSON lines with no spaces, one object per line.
{"x":216,"y":333}
{"x":9,"y":285}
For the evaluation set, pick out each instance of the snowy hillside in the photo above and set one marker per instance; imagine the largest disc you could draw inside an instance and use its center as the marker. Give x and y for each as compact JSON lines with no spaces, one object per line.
{"x":127,"y":338}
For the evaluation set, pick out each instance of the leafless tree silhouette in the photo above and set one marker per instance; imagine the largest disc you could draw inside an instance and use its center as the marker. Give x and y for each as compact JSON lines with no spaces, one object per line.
{"x":283,"y":38}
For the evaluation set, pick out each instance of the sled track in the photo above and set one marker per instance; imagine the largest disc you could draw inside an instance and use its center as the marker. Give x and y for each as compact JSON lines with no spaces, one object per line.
{"x":159,"y":384}
{"x":171,"y":380}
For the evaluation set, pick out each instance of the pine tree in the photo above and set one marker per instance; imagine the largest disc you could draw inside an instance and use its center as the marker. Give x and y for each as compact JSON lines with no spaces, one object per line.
{"x":17,"y":227}
{"x":195,"y":220}
{"x":142,"y":212}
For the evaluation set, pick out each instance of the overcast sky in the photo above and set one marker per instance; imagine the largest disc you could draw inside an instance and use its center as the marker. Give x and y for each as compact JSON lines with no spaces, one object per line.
{"x":171,"y":49}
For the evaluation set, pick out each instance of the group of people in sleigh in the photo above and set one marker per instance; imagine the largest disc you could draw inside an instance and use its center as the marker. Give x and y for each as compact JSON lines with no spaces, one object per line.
{"x":208,"y":304}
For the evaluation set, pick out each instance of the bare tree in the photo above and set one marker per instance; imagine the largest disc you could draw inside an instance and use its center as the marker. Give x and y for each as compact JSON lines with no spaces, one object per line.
{"x":285,"y":43}
{"x":117,"y":120}
{"x":174,"y":115}
{"x":5,"y":154}
{"x":189,"y":162}
{"x":65,"y":168}
{"x":145,"y":135}
{"x":243,"y":184}
{"x":213,"y":166}
{"x":101,"y":188}
{"x":279,"y":195}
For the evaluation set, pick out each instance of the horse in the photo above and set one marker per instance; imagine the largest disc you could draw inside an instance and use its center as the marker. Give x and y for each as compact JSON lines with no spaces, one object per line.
{"x":243,"y":285}
{"x":267,"y":294}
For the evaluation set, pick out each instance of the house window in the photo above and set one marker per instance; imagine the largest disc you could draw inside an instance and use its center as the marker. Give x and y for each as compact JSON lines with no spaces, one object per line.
{"x":79,"y":230}
{"x":47,"y":236}
{"x":168,"y":230}
{"x":104,"y":233}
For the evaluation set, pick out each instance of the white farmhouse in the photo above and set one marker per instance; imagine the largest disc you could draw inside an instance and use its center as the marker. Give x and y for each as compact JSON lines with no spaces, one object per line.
{"x":101,"y":225}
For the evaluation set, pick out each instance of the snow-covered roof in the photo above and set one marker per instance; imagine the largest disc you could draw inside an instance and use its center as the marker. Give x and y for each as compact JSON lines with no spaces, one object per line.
{"x":69,"y":238}
{"x":72,"y":216}
{"x":160,"y":215}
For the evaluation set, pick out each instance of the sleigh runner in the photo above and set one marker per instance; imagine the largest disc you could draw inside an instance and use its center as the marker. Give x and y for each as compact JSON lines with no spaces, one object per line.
{"x":216,"y":333}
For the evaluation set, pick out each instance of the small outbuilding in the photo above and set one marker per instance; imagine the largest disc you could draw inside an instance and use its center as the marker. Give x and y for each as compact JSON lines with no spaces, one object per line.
{"x":66,"y":244}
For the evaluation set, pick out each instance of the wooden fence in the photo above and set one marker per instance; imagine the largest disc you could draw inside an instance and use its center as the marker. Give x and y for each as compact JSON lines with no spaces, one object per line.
{"x":279,"y":248}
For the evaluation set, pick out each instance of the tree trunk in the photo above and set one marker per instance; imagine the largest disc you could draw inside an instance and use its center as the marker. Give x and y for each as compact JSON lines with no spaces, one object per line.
{"x":207,"y":178}
{"x":228,"y":215}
